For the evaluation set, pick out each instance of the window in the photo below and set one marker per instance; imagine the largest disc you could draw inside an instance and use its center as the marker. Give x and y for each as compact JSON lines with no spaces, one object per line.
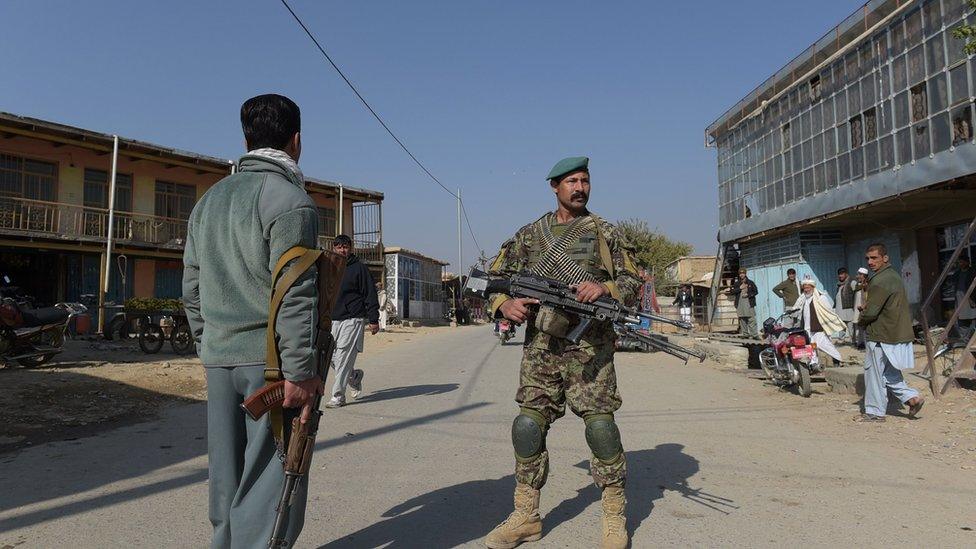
{"x":916,"y":65}
{"x":174,"y":200}
{"x":919,"y":103}
{"x":327,"y":221}
{"x":936,"y":53}
{"x":786,"y":137}
{"x":857,"y":134}
{"x":27,"y":178}
{"x":962,"y":126}
{"x":815,"y":89}
{"x":96,"y":190}
{"x":938,"y":94}
{"x":870,"y":125}
{"x":960,"y":84}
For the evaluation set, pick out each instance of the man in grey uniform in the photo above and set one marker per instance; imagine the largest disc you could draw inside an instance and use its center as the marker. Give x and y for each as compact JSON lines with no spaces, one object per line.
{"x":237,"y":233}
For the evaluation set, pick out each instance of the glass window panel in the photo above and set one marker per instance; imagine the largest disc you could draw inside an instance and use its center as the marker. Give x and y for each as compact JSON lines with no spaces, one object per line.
{"x":805,"y":126}
{"x":955,"y":47}
{"x":913,"y":27}
{"x":899,"y":76}
{"x":788,"y":162}
{"x":884,"y":83}
{"x":788,"y":194}
{"x":843,"y":168}
{"x":786,"y":137}
{"x":871,"y":158}
{"x":778,"y":166}
{"x":887,"y":153}
{"x":808,"y":183}
{"x":867,"y":90}
{"x":960,"y":84}
{"x":828,"y":112}
{"x":840,"y":105}
{"x":904,"y":146}
{"x":830,"y":143}
{"x":962,"y":125}
{"x":902,"y":109}
{"x":831,"y":173}
{"x":778,"y":193}
{"x":870,"y":121}
{"x":857,"y":164}
{"x":819,"y":185}
{"x":795,"y":131}
{"x":866,"y":55}
{"x":854,"y":98}
{"x":840,"y":75}
{"x":920,"y":140}
{"x":938,"y":94}
{"x":857,"y":132}
{"x":851,"y":65}
{"x":777,"y":137}
{"x":933,"y":16}
{"x":916,"y":65}
{"x":936,"y":54}
{"x":807,"y":153}
{"x":897,"y":38}
{"x":941,"y":133}
{"x":953,"y":10}
{"x":881,"y":49}
{"x":843,"y":137}
{"x":797,"y":159}
{"x":826,"y":83}
{"x":818,"y":149}
{"x":816,"y":119}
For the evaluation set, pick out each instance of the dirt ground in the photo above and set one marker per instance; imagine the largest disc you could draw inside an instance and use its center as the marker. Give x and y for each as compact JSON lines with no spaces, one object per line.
{"x":94,"y":386}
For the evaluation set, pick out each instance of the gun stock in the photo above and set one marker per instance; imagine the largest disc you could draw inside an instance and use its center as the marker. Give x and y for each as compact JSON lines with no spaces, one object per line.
{"x":264,"y":399}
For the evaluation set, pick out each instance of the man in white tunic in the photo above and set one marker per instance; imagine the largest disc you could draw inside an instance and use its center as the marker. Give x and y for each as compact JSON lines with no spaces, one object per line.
{"x":819,"y":319}
{"x":888,"y":323}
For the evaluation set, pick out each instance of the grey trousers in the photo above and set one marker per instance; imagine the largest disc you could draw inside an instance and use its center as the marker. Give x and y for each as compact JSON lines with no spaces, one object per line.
{"x":348,"y":335}
{"x":246,"y":475}
{"x":747,"y":326}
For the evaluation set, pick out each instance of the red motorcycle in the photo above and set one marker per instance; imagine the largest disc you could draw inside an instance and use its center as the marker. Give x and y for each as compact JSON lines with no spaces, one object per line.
{"x":505,"y":330}
{"x":789,"y":360}
{"x":28,"y":335}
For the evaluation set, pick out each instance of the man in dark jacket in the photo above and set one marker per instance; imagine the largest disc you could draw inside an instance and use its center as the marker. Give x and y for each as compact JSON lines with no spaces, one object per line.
{"x":685,"y":300}
{"x":745,"y":293}
{"x":888,"y":321}
{"x":356,"y":305}
{"x":237,"y":233}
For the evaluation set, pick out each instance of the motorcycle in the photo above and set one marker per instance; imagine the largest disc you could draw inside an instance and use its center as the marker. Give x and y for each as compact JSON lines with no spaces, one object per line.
{"x":28,"y":335}
{"x":789,"y":360}
{"x":505,"y":330}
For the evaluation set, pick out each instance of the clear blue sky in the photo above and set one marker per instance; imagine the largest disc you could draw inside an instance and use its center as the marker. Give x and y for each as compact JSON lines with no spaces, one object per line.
{"x":487,"y":94}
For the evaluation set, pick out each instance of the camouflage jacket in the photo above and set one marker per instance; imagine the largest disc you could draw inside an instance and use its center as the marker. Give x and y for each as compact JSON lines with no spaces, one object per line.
{"x":521,"y":252}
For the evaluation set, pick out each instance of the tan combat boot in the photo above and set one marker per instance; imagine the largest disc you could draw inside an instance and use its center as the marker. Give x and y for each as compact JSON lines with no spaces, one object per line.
{"x":524,"y":524}
{"x":614,"y":521}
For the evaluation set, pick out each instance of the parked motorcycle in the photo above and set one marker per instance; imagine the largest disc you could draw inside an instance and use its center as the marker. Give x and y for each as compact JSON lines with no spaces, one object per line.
{"x":28,"y":335}
{"x":505,"y":330}
{"x":789,"y":360}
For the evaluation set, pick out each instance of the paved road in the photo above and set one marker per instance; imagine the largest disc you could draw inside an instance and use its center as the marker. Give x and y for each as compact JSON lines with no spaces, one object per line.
{"x":715,"y":459}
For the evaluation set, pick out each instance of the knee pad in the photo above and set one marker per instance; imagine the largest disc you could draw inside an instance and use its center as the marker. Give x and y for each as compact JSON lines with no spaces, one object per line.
{"x":529,"y":434}
{"x":603,"y":437}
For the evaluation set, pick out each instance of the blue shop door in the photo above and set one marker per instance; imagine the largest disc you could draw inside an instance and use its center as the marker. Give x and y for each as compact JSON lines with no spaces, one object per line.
{"x":169,"y":280}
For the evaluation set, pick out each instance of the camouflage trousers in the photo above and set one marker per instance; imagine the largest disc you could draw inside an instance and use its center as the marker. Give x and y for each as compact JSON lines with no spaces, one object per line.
{"x":583,"y":378}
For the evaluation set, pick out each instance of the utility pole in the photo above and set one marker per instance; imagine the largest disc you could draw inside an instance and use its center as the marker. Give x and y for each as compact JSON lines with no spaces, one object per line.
{"x":457,"y":298}
{"x":107,"y":256}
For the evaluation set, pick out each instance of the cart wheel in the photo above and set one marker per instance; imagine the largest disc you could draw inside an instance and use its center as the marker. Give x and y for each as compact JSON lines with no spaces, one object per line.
{"x":182,"y":339}
{"x":151,"y":339}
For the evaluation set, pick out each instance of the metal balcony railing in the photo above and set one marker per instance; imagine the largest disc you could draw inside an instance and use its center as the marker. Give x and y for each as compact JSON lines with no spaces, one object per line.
{"x":371,"y":253}
{"x":74,"y":222}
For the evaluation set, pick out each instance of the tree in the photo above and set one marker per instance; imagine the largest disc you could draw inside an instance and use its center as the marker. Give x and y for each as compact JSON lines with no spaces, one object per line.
{"x":654,"y":250}
{"x":967,"y":33}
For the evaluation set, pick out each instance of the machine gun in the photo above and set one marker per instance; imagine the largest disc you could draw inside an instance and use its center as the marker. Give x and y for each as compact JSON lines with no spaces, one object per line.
{"x":563,"y":296}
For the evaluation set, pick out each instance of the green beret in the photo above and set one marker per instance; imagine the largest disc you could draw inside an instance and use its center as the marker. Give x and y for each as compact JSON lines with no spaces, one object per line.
{"x":568,"y":165}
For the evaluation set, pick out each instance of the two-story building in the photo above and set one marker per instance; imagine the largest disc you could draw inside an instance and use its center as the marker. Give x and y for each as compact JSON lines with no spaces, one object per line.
{"x":867,"y":136}
{"x":54,"y":211}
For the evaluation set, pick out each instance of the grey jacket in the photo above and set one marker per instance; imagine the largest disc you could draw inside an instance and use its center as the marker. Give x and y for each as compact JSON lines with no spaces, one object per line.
{"x":237,"y":232}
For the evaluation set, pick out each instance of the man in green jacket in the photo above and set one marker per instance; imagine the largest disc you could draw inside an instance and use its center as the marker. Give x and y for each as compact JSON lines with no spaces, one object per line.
{"x":237,"y":232}
{"x":788,"y":290}
{"x":888,"y":323}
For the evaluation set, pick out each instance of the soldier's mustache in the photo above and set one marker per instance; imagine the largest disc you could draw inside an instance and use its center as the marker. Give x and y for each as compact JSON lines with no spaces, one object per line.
{"x":578,"y":195}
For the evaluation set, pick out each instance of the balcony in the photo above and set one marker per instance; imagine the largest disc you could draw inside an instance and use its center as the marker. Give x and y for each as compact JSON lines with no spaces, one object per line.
{"x":370,"y":253}
{"x":36,"y":218}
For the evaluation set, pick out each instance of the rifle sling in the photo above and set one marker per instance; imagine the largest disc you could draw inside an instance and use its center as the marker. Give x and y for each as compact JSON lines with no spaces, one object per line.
{"x":304,"y":259}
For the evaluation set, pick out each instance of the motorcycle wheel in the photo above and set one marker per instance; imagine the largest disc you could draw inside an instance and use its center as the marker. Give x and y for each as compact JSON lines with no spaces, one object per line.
{"x":804,"y":386}
{"x":182,"y":340}
{"x":151,"y":339}
{"x":51,"y":338}
{"x":765,"y":355}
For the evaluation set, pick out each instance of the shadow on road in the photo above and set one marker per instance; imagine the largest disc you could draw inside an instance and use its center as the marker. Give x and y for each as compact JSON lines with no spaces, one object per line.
{"x":454,"y":515}
{"x":406,"y":392}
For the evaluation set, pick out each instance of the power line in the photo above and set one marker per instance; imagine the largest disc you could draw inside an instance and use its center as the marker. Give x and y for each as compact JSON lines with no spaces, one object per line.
{"x":363,"y":99}
{"x":382,"y":123}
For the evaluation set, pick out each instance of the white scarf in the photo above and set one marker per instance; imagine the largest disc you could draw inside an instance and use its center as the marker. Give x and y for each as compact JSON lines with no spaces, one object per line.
{"x":280,"y":157}
{"x":829,"y":320}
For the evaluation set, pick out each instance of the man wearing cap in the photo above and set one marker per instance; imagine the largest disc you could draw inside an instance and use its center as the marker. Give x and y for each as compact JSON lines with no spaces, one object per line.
{"x":888,"y":322}
{"x":579,"y":248}
{"x":789,"y":289}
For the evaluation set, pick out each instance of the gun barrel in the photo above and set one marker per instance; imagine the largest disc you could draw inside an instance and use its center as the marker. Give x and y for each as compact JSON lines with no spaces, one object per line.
{"x":665,"y":320}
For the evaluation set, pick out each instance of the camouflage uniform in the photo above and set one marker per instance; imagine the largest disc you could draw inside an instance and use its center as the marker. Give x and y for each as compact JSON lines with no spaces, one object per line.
{"x":553,"y":371}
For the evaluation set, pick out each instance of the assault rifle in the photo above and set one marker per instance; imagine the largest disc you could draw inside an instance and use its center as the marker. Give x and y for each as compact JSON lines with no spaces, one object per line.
{"x":563,"y":296}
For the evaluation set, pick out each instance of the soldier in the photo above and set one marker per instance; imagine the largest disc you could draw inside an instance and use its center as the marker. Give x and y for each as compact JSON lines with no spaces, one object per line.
{"x":576,"y":247}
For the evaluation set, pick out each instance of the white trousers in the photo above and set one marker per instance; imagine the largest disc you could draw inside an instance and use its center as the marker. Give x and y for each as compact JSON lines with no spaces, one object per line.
{"x":348,"y":335}
{"x":823,"y":344}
